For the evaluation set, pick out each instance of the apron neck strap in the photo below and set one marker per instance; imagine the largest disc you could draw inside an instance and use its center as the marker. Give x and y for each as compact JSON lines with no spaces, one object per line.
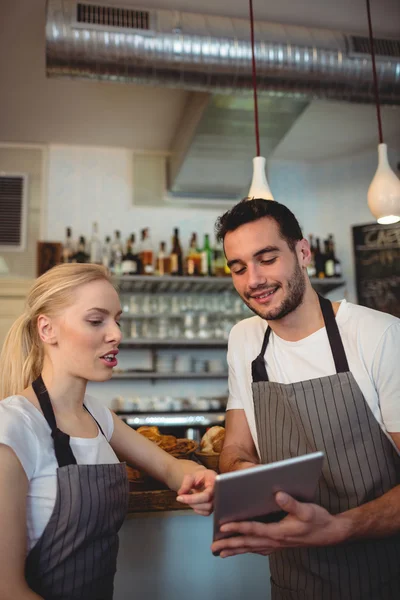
{"x":258,"y":368}
{"x":332,"y":330}
{"x":62,"y":448}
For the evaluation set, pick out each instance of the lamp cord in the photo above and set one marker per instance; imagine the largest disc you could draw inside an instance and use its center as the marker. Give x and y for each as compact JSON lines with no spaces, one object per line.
{"x":371,"y":41}
{"x":254,"y":71}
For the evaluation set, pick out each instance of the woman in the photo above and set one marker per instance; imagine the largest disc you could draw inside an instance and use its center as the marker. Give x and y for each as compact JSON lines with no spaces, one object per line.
{"x":63,"y":491}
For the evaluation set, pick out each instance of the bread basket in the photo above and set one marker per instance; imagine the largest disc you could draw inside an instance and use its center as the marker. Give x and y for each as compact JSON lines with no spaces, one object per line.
{"x":209,"y":460}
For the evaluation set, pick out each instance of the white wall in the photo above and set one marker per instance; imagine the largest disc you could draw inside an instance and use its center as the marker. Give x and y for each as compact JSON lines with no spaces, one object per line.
{"x":330,"y":197}
{"x":87,"y":184}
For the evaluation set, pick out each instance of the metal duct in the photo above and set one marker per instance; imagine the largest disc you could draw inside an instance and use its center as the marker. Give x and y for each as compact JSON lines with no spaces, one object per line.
{"x":198,"y":52}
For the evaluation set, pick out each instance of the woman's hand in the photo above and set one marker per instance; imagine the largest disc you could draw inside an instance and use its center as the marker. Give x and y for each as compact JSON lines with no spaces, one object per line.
{"x":197,"y":490}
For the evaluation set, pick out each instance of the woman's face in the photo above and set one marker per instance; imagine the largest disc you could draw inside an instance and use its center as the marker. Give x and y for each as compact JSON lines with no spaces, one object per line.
{"x":87,"y":333}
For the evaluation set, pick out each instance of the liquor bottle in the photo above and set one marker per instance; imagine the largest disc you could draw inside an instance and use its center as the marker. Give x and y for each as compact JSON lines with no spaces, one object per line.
{"x":106,"y":253}
{"x":163,"y":262}
{"x":81,"y":256}
{"x":206,"y":256}
{"x":319,"y":261}
{"x":68,"y":248}
{"x":311,"y":267}
{"x":336,"y":261}
{"x":117,"y":253}
{"x":329,"y":266}
{"x":95,"y":246}
{"x":193,"y":258}
{"x":146,"y":253}
{"x":129,"y":259}
{"x":176,"y":256}
{"x":218,"y":260}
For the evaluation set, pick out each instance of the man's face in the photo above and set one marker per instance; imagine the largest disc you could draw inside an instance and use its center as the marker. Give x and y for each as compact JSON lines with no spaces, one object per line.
{"x":267,"y":275}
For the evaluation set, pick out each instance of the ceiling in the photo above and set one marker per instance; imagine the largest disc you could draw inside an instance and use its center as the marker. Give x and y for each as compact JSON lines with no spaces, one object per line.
{"x":151,"y":119}
{"x":348,"y":16}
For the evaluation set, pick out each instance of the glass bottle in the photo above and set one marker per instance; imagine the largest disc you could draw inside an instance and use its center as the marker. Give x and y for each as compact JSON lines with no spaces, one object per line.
{"x":117,"y":253}
{"x":218,"y":261}
{"x":106,"y":253}
{"x":163,"y":261}
{"x":176,"y":255}
{"x":206,"y":256}
{"x":81,"y":256}
{"x":95,"y":246}
{"x":193,"y":259}
{"x":68,"y":248}
{"x":146,"y":253}
{"x":129,"y":259}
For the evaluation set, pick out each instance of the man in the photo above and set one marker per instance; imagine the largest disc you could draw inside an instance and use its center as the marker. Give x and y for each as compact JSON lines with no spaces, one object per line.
{"x":306,"y":375}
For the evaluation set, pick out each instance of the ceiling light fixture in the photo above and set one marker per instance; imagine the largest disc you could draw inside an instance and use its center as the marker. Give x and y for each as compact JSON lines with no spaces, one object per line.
{"x":384,"y":191}
{"x":259,"y":185}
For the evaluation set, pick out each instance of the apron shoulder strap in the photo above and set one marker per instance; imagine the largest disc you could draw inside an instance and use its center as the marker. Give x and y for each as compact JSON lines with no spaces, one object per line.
{"x":94,"y":419}
{"x":258,"y":368}
{"x":62,"y":448}
{"x":335,"y":341}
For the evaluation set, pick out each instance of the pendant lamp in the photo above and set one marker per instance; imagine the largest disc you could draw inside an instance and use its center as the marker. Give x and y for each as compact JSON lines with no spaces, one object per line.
{"x":259,"y":186}
{"x":384,"y":191}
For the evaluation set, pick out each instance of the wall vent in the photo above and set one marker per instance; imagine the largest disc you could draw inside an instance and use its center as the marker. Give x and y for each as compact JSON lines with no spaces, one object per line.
{"x":111,"y":16}
{"x":382,"y":47}
{"x":13,"y":211}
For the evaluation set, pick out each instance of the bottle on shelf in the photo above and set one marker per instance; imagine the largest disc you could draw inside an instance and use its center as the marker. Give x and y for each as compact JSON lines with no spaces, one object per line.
{"x":319,"y":261}
{"x":68,"y":248}
{"x":117,"y":253}
{"x":95,"y":246}
{"x":81,"y":256}
{"x":206,"y":256}
{"x":329,"y":263}
{"x":146,"y":253}
{"x":311,"y":270}
{"x":106,"y":253}
{"x":193,"y":258}
{"x":176,"y":256}
{"x":130,"y":264}
{"x":163,"y":262}
{"x":336,"y":261}
{"x":218,"y":260}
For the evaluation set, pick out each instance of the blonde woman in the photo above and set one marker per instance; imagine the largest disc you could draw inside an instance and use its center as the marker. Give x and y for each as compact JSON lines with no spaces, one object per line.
{"x":63,"y":489}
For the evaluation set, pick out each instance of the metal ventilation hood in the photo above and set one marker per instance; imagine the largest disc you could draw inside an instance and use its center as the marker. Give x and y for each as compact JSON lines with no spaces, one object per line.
{"x":211,"y":57}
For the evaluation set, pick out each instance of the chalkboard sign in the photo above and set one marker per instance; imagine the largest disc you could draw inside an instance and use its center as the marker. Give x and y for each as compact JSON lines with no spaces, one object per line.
{"x":377,"y":261}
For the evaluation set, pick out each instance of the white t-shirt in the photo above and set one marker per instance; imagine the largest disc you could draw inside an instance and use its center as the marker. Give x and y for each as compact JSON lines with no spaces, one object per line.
{"x":371,"y":340}
{"x":24,"y":429}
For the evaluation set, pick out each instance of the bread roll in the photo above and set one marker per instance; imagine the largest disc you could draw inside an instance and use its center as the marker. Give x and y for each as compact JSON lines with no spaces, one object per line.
{"x":213,"y":440}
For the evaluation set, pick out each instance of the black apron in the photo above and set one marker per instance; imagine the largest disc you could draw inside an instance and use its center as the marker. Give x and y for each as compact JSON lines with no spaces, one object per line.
{"x":330,"y":414}
{"x":76,"y":555}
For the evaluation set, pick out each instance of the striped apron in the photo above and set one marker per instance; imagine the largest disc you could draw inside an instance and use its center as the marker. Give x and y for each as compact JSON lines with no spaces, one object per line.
{"x":330,"y":414}
{"x":76,"y":555}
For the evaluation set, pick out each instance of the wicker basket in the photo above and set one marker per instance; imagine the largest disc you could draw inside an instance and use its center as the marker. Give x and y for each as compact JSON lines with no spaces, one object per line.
{"x":211,"y":461}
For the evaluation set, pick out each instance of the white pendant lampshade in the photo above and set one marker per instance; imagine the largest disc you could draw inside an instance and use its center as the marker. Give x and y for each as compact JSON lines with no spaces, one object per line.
{"x":259,"y":186}
{"x":384,"y":191}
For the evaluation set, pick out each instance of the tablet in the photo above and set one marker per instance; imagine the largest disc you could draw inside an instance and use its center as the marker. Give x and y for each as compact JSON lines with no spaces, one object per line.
{"x":248,"y":495}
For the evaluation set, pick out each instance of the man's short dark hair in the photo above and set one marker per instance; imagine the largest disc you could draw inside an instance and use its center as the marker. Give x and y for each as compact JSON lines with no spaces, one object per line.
{"x":248,"y":211}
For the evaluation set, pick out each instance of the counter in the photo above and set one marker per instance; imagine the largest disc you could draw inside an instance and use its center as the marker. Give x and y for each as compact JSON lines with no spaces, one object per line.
{"x":152,"y":497}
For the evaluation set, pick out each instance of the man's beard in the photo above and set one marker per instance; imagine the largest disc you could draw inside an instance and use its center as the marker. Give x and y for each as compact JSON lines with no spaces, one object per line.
{"x":296,"y":289}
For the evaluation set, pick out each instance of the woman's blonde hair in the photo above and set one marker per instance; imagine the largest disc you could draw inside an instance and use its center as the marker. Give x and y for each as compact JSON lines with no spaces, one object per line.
{"x":21,"y":359}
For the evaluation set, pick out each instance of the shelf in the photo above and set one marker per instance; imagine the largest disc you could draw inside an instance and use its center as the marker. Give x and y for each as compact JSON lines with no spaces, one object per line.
{"x":154,"y":375}
{"x":171,"y":284}
{"x":181,"y":315}
{"x":323,"y":286}
{"x":172,"y":343}
{"x":195,"y":419}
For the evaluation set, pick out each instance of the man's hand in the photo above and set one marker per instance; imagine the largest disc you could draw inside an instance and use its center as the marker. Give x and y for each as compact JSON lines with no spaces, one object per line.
{"x":197,"y":490}
{"x":305,"y":525}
